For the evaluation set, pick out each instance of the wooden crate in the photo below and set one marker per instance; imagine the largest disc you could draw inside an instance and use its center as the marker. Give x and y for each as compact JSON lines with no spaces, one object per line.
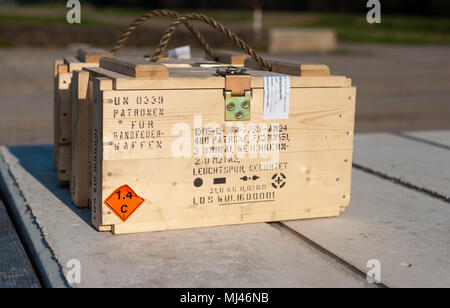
{"x":144,"y":114}
{"x":63,"y":102}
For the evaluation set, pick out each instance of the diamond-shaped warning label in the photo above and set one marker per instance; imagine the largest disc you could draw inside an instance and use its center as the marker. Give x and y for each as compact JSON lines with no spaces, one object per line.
{"x":124,"y":202}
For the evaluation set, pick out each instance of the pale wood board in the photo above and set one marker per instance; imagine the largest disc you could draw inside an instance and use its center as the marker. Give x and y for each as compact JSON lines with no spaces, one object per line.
{"x":64,"y":164}
{"x":170,"y":204}
{"x":233,"y":58}
{"x":209,"y":80}
{"x":292,"y":68}
{"x":136,"y":67}
{"x":417,"y":163}
{"x":105,"y":84}
{"x":406,"y":230}
{"x":92,"y":55}
{"x":63,"y":127}
{"x":97,"y":151}
{"x":321,"y":119}
{"x":65,"y":107}
{"x":75,"y":64}
{"x":56,"y":70}
{"x":101,"y":72}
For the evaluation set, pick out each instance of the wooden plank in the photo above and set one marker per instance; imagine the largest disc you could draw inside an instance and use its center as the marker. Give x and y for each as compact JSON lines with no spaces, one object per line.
{"x":292,"y":68}
{"x":319,"y":120}
{"x":136,"y":67}
{"x":211,"y":81}
{"x":79,"y":181}
{"x":65,"y":107}
{"x":56,"y":69}
{"x":62,"y":127}
{"x":278,"y":65}
{"x":59,"y":68}
{"x":74,"y":64}
{"x":103,"y":84}
{"x":406,"y":230}
{"x":97,"y":151}
{"x":63,"y":164}
{"x":233,"y":58}
{"x":92,"y":55}
{"x":102,"y":72}
{"x":172,"y":198}
{"x":16,"y":270}
{"x":417,"y":163}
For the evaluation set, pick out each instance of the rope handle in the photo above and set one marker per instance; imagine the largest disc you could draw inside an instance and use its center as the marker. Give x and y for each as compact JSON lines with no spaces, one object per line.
{"x":214,"y":24}
{"x":168,"y":13}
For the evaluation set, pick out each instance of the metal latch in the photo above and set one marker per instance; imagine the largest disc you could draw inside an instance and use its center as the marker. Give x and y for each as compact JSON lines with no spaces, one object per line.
{"x":238,"y":94}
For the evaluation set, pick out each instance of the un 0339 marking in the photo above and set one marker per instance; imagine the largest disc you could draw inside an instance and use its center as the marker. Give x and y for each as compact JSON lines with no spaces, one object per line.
{"x":140,"y":100}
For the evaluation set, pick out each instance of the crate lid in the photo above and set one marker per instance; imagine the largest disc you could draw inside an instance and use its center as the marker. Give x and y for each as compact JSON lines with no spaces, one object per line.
{"x":86,"y":57}
{"x":136,"y":73}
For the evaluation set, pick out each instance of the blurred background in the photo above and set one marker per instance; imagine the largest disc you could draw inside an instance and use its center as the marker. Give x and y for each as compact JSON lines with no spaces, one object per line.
{"x":401,"y":66}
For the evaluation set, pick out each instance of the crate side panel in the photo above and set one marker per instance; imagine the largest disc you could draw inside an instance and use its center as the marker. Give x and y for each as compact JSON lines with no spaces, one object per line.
{"x":97,"y":154}
{"x":178,"y":192}
{"x":145,"y":124}
{"x":80,"y":141}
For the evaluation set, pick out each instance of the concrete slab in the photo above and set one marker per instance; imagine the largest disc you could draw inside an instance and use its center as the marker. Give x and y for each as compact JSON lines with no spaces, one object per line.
{"x":406,"y":230}
{"x":437,"y":138}
{"x":15,"y":267}
{"x":420,"y":164}
{"x":256,"y":255}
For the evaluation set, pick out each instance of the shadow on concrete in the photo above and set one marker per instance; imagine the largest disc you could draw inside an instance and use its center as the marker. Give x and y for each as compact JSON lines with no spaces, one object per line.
{"x":38,"y":161}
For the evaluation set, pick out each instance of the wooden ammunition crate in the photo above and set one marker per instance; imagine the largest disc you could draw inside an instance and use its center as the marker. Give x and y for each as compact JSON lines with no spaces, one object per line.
{"x":67,"y":101}
{"x":153,"y":122}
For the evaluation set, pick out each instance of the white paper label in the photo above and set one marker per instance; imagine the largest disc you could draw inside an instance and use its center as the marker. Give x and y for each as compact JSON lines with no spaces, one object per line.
{"x":276,"y":97}
{"x":180,"y":52}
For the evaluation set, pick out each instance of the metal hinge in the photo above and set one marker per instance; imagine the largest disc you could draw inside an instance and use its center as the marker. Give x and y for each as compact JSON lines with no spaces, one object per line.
{"x":238,"y":94}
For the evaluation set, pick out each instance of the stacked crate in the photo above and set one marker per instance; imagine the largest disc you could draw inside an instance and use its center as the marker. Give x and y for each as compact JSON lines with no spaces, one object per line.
{"x":66,"y":102}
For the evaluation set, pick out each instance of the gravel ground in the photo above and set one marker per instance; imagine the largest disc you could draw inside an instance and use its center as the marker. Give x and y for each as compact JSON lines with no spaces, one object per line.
{"x":399,"y":88}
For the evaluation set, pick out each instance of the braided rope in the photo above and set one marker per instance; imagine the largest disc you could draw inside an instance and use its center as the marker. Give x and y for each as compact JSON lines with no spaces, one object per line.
{"x":168,"y":13}
{"x":211,"y":22}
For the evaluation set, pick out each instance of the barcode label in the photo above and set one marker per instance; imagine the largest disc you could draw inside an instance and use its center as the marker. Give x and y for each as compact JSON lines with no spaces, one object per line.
{"x":276,"y":97}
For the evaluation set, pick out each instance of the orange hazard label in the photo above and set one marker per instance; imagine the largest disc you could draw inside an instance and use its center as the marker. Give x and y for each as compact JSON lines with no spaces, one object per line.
{"x":124,"y":202}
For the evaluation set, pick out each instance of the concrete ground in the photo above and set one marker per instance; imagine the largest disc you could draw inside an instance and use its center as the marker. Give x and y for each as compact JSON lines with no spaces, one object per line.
{"x":399,"y":88}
